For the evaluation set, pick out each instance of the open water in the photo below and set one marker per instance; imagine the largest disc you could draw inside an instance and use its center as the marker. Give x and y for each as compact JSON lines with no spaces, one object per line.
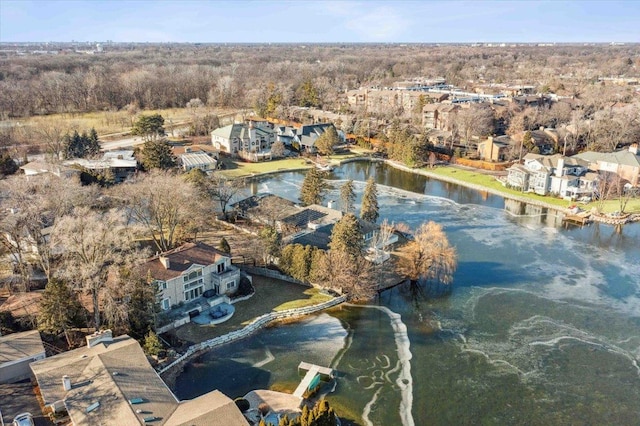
{"x":542,"y":327}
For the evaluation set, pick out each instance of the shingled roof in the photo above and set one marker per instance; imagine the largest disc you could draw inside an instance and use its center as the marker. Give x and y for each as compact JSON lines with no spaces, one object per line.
{"x":181,"y":259}
{"x":113,"y":383}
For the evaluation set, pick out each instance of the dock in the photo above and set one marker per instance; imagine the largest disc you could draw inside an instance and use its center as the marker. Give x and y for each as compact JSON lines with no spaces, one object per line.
{"x":576,"y":219}
{"x":311,"y":378}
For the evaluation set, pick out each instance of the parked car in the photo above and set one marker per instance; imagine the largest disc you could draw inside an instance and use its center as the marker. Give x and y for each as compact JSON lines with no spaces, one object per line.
{"x":24,"y":419}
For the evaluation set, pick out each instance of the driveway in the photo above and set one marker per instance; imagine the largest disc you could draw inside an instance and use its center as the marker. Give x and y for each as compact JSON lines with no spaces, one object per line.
{"x":17,"y":398}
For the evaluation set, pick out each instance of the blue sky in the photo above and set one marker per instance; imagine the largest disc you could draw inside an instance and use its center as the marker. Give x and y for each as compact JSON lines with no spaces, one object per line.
{"x":320,"y":21}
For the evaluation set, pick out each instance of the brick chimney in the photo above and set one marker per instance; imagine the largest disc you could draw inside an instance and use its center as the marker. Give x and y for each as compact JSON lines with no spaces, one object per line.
{"x":99,"y":337}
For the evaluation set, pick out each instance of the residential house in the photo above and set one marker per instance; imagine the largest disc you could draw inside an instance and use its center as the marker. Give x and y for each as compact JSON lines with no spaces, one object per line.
{"x":41,"y":167}
{"x":119,"y":164}
{"x":251,"y":140}
{"x":17,"y":351}
{"x":197,"y":160}
{"x":110,"y":381}
{"x":624,"y":163}
{"x":496,"y":149}
{"x":185,"y":273}
{"x":556,"y":174}
{"x":439,"y":116}
{"x":303,"y":138}
{"x":311,"y":225}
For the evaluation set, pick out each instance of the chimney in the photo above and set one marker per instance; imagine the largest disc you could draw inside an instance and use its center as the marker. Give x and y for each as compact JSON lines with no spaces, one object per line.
{"x":559,"y":167}
{"x":330,"y":204}
{"x":633,"y":148}
{"x":99,"y":337}
{"x":66,"y":383}
{"x":165,"y":262}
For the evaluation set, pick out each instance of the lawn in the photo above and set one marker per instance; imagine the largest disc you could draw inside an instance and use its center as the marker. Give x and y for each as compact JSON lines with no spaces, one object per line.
{"x":271,"y":295}
{"x":490,"y":182}
{"x":235,"y":169}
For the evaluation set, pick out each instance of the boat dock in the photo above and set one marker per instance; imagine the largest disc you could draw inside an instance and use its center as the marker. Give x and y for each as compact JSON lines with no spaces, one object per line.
{"x":312,"y":378}
{"x":575,"y":219}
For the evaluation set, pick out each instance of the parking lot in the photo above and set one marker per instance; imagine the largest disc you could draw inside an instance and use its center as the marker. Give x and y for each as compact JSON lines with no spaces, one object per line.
{"x":17,"y":398}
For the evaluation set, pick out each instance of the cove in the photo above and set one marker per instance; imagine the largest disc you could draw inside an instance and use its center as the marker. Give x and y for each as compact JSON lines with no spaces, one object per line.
{"x":542,"y":327}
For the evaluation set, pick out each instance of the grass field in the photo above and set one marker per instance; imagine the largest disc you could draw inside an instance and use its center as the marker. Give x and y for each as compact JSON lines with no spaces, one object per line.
{"x":271,"y":295}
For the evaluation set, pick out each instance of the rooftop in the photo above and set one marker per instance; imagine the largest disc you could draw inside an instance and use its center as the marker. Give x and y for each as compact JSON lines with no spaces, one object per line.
{"x":181,"y":259}
{"x":17,"y":346}
{"x":112,"y":382}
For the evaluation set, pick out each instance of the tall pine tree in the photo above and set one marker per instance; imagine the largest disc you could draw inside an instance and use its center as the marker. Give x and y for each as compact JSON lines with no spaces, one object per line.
{"x":347,"y":236}
{"x":347,"y":196}
{"x":369,"y":211}
{"x":313,"y":187}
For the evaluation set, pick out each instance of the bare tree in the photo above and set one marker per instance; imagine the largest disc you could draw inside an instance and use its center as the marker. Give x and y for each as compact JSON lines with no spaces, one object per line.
{"x":223,"y":190}
{"x":51,"y":132}
{"x":93,"y":245}
{"x":474,"y":121}
{"x":428,"y":258}
{"x":162,"y":203}
{"x":346,"y":274}
{"x":35,"y":204}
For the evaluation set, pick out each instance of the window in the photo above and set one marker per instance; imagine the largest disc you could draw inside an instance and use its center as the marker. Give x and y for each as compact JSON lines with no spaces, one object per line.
{"x":231,"y":284}
{"x":165,"y":304}
{"x":162,"y":285}
{"x":221,"y":267}
{"x":193,"y":293}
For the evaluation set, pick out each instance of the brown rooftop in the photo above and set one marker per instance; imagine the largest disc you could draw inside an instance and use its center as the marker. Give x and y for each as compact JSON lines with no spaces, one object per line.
{"x":180,"y":259}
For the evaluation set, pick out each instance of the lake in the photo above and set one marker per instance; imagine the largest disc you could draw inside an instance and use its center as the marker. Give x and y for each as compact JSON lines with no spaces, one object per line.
{"x":542,"y":326}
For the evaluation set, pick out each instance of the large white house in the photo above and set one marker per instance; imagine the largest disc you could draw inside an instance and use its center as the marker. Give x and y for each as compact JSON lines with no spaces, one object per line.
{"x":248,"y":138}
{"x":567,"y":177}
{"x":185,"y":273}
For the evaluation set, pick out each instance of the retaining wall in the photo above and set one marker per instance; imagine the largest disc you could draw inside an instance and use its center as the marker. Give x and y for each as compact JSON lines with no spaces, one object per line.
{"x":254,"y":326}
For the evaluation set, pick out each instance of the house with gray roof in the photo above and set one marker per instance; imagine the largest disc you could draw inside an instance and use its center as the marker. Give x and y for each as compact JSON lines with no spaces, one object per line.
{"x":17,"y":350}
{"x":624,"y":163}
{"x":567,"y":177}
{"x":109,"y":381}
{"x":251,"y":141}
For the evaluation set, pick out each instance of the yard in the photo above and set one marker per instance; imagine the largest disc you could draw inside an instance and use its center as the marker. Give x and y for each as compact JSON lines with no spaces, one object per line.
{"x":271,"y":295}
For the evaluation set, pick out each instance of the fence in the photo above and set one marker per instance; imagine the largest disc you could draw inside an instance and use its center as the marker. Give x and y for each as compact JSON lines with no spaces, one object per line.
{"x":254,"y":326}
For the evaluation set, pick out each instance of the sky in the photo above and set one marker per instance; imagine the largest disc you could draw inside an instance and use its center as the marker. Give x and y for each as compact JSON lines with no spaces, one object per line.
{"x":329,"y":21}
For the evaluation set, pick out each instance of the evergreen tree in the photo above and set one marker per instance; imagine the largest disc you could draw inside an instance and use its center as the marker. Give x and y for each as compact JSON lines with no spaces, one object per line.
{"x":152,"y":345}
{"x":157,"y":155}
{"x":327,"y":141}
{"x":369,"y":211}
{"x":224,"y":246}
{"x":142,"y":308}
{"x":150,"y":127}
{"x":347,"y":236}
{"x":271,"y":241}
{"x":313,"y":187}
{"x":347,"y":197}
{"x":92,"y":144}
{"x":59,"y":308}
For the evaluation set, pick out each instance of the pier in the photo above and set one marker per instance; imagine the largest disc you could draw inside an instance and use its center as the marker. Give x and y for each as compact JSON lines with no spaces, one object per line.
{"x":312,"y":378}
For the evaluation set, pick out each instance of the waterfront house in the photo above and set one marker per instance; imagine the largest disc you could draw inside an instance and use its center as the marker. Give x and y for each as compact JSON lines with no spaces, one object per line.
{"x":187,"y":272}
{"x":120,"y":164}
{"x":566,"y":177}
{"x":495,"y":148}
{"x":251,"y":141}
{"x":17,"y":350}
{"x":109,"y":381}
{"x":624,"y":163}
